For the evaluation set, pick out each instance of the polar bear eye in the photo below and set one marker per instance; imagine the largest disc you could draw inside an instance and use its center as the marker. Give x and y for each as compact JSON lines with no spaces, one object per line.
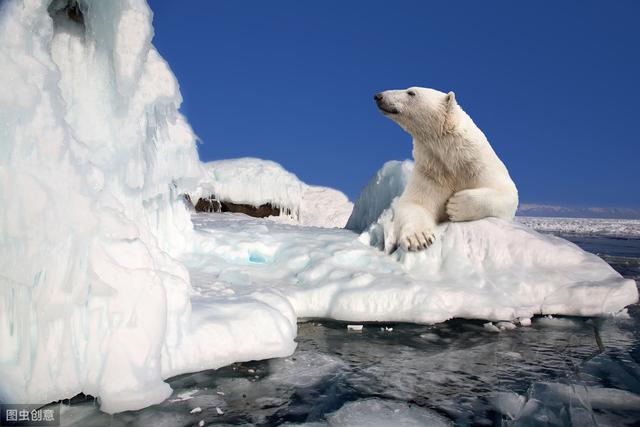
{"x":411,"y":93}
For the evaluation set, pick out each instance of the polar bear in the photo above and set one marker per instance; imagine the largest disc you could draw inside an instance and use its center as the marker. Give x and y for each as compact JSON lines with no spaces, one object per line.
{"x":457,"y":176}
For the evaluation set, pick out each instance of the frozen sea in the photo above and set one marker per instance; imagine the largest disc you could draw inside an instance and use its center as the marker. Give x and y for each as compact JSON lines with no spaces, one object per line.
{"x":558,"y":371}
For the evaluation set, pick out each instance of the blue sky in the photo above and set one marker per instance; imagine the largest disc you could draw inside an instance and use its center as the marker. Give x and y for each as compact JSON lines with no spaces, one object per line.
{"x":554,"y":85}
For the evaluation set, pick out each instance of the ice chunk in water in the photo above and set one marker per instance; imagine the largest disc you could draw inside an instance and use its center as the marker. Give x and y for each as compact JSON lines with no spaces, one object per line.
{"x":304,"y":369}
{"x":379,"y":412}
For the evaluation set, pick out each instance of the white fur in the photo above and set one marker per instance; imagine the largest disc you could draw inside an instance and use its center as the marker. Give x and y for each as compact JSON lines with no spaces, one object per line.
{"x":457,"y":175}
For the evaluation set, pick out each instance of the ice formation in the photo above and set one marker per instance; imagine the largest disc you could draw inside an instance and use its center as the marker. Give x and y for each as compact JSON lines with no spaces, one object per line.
{"x":387,"y":184}
{"x":93,"y":157}
{"x":259,"y":182}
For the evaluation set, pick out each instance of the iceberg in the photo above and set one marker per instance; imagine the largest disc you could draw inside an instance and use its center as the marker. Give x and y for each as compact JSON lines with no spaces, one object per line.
{"x":94,"y":157}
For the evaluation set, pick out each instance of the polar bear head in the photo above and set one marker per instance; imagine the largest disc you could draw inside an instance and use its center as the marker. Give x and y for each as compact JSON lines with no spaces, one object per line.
{"x":418,"y":110}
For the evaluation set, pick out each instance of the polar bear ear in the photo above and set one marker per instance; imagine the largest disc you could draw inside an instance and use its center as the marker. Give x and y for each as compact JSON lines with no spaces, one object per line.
{"x":449,"y":118}
{"x":451,"y":99}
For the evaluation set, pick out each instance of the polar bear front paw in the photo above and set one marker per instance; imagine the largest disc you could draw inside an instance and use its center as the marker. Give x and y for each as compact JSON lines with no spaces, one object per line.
{"x":417,"y":240}
{"x":413,"y":226}
{"x":466,"y":205}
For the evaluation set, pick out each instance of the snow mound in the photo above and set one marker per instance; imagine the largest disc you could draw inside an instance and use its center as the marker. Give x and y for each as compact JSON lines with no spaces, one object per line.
{"x":258,"y":182}
{"x":254,"y":182}
{"x":324,"y":207}
{"x":387,"y":184}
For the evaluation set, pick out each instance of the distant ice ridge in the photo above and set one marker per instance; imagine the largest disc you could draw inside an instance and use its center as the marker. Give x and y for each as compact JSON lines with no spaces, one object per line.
{"x":538,"y":210}
{"x":258,"y":182}
{"x":624,"y":228}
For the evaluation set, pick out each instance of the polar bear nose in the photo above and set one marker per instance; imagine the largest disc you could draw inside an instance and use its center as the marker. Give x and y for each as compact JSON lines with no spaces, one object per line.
{"x":377,"y":97}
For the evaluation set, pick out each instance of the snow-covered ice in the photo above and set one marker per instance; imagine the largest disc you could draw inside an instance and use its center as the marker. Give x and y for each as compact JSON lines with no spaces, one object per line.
{"x":255,"y":182}
{"x":93,"y":157}
{"x":324,"y":207}
{"x":490,"y":269}
{"x":259,"y":182}
{"x":387,"y":184}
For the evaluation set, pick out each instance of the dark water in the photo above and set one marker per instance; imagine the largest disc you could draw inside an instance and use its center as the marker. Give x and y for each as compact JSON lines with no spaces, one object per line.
{"x":559,"y":371}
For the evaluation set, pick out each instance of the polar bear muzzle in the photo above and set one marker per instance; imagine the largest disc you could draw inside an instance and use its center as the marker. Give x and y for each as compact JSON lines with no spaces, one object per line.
{"x":384,"y":105}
